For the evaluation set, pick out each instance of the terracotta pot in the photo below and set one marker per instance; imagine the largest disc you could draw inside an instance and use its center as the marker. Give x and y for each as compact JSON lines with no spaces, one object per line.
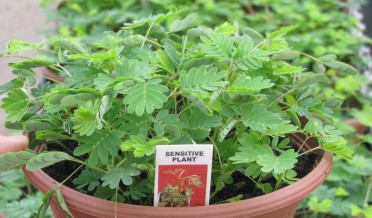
{"x":359,"y":127}
{"x":278,"y":204}
{"x":51,"y":75}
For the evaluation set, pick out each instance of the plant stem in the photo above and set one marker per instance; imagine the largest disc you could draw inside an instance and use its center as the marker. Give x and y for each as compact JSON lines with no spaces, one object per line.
{"x":56,"y":81}
{"x":218,"y":152}
{"x":259,"y":44}
{"x":280,"y":97}
{"x":303,"y":143}
{"x":59,"y":185}
{"x":83,"y":163}
{"x":279,"y":181}
{"x":366,"y":199}
{"x":117,"y":165}
{"x":147,"y":33}
{"x":308,"y":151}
{"x":68,"y":73}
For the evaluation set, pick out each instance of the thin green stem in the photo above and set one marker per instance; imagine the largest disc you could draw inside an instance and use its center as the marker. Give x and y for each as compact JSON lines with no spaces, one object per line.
{"x":307,"y":55}
{"x":147,"y":34}
{"x":308,"y":151}
{"x":155,"y":43}
{"x":66,"y":71}
{"x":47,"y":50}
{"x":56,"y":81}
{"x":279,"y":181}
{"x":77,"y":169}
{"x":366,"y":199}
{"x":218,"y":152}
{"x":15,"y":56}
{"x":84,"y":163}
{"x":281,"y":96}
{"x":259,"y":44}
{"x":303,"y":143}
{"x":64,"y":146}
{"x":121,"y":162}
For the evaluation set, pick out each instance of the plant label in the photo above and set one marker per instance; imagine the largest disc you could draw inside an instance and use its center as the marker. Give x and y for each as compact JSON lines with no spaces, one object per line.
{"x":183,"y":175}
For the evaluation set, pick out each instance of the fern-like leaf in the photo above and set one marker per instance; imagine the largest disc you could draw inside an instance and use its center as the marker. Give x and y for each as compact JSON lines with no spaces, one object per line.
{"x":246,"y":57}
{"x":217,"y":45}
{"x":245,"y":84}
{"x":145,"y":97}
{"x":15,"y":159}
{"x":203,"y":80}
{"x":140,"y":147}
{"x":100,"y":145}
{"x":113,"y":178}
{"x":46,"y":159}
{"x":258,"y":118}
{"x":85,"y":119}
{"x":17,"y":105}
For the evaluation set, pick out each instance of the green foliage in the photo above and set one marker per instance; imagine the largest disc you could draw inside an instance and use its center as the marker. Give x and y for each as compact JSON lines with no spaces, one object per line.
{"x":145,"y":85}
{"x":15,"y":201}
{"x":99,"y":146}
{"x":17,"y":105}
{"x":145,"y":97}
{"x":16,"y":46}
{"x":278,"y":164}
{"x":62,"y":203}
{"x":140,"y":147}
{"x":202,"y":80}
{"x":217,"y":45}
{"x":119,"y":174}
{"x":15,"y":159}
{"x":246,"y":85}
{"x":45,"y":159}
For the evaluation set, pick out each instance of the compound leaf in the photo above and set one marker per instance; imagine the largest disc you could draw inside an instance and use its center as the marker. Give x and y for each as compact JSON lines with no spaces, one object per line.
{"x":113,"y":178}
{"x":278,"y":164}
{"x":46,"y":159}
{"x":217,"y":45}
{"x":145,"y":97}
{"x":202,"y":79}
{"x":101,"y":144}
{"x":15,"y":159}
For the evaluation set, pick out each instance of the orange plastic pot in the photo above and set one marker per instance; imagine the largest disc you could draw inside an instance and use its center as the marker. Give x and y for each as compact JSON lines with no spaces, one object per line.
{"x":278,"y":204}
{"x":51,"y":75}
{"x":359,"y":127}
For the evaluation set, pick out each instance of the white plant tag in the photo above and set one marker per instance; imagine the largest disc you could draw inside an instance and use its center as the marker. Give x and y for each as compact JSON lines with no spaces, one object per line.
{"x":183,"y":175}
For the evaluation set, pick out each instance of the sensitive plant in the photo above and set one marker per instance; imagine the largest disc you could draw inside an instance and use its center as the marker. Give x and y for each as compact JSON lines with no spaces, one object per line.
{"x":146,"y":85}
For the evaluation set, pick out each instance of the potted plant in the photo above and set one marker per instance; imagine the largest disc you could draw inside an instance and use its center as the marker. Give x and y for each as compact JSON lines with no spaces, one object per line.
{"x":146,"y":85}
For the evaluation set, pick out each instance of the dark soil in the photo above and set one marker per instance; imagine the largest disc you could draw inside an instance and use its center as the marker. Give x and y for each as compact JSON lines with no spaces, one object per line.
{"x":61,"y":170}
{"x":242,"y":185}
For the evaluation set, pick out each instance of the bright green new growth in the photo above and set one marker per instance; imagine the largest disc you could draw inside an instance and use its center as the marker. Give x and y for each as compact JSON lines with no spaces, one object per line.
{"x":217,"y":86}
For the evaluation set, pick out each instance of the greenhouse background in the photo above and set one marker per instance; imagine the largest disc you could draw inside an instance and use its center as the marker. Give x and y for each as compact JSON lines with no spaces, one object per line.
{"x":346,"y":193}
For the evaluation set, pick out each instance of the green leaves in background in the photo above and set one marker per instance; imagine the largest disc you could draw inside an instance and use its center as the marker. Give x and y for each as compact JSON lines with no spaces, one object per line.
{"x":15,"y":159}
{"x":16,"y":46}
{"x":17,"y":104}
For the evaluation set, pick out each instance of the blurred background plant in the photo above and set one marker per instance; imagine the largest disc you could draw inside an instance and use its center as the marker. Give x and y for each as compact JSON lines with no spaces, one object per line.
{"x":18,"y":198}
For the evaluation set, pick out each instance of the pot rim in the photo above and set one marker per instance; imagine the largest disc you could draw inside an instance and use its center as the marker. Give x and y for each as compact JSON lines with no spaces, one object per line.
{"x":283,"y":197}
